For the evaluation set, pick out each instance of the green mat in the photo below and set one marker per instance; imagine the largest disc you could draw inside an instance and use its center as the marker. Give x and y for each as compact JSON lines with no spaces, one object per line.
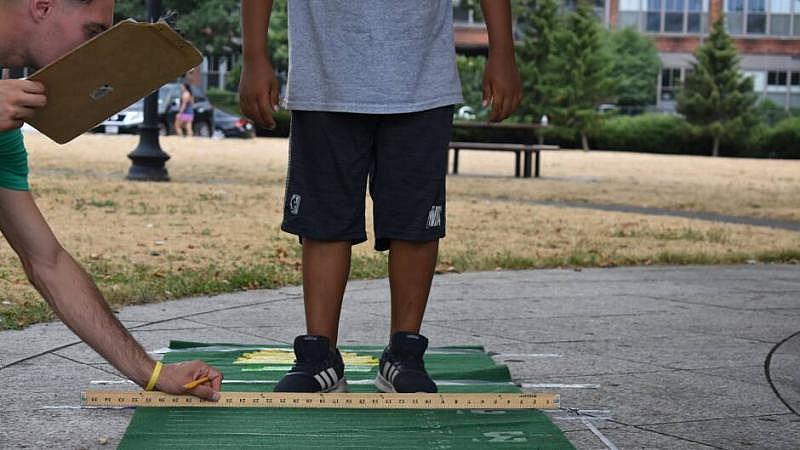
{"x":456,"y":369}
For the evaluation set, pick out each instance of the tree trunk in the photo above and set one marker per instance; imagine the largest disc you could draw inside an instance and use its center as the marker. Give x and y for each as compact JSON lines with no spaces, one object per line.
{"x":715,"y":152}
{"x":584,"y":142}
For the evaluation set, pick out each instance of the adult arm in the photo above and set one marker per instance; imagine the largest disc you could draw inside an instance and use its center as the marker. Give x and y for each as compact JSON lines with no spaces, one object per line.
{"x":502,"y":87}
{"x":18,"y":102}
{"x":258,"y":87}
{"x":76,"y":300}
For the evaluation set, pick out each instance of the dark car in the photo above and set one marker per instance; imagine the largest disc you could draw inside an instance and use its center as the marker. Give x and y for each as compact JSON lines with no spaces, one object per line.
{"x":169,"y":99}
{"x":229,"y":125}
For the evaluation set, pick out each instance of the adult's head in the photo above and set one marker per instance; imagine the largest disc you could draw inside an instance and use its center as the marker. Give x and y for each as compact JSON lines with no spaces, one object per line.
{"x":34,"y":33}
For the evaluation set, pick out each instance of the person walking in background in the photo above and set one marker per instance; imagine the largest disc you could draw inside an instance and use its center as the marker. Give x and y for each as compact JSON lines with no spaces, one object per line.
{"x":372,"y":86}
{"x":185,"y":116}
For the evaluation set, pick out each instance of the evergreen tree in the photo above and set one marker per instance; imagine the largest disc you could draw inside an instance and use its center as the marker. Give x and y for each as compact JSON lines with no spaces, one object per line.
{"x":579,"y":74}
{"x":537,"y":24}
{"x":635,"y":67}
{"x":715,"y":94}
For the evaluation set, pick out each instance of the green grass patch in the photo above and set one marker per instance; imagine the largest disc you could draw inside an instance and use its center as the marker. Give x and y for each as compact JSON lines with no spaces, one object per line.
{"x":81,"y":204}
{"x":714,"y":235}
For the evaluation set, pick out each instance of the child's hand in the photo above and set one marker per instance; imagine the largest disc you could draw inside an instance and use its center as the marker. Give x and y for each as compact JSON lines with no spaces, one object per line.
{"x":502,"y":88}
{"x":259,"y":91}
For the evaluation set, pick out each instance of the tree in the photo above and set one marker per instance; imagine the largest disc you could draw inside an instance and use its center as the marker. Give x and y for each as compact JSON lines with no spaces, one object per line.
{"x":537,"y":24}
{"x":213,"y":26}
{"x":579,"y":76}
{"x":470,"y":70}
{"x":715,"y":94}
{"x":635,"y":67}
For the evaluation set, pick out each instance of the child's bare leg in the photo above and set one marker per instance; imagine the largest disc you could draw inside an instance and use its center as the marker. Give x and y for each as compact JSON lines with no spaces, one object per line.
{"x":326,"y":267}
{"x":411,"y":268}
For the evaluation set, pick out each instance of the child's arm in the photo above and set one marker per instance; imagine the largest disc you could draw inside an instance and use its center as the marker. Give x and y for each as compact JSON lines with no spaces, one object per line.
{"x":502,"y":87}
{"x":258,"y":87}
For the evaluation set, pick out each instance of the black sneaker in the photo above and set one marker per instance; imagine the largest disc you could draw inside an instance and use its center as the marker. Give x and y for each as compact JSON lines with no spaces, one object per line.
{"x":402,"y":368}
{"x":316,"y":368}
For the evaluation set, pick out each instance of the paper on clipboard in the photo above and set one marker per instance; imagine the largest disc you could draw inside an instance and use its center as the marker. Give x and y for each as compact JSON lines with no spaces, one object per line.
{"x":108,"y":73}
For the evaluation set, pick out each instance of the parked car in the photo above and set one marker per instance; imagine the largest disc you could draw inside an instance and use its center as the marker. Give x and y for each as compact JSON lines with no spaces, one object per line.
{"x":607,"y":108}
{"x":229,"y":125}
{"x":169,"y":100}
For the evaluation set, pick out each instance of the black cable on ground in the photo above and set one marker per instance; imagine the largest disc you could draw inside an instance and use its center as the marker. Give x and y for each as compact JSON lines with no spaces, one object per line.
{"x":769,"y":376}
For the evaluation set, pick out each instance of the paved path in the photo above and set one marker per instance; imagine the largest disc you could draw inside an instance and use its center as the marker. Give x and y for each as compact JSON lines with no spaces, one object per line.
{"x":653,"y":211}
{"x":655,"y":357}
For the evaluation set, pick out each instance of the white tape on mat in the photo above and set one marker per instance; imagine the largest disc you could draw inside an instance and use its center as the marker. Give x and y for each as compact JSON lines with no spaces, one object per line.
{"x":599,"y":434}
{"x":558,"y":386}
{"x":527,"y":355}
{"x":580,"y":414}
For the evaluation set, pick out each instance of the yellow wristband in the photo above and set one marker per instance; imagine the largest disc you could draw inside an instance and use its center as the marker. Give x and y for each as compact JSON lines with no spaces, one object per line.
{"x":154,"y":377}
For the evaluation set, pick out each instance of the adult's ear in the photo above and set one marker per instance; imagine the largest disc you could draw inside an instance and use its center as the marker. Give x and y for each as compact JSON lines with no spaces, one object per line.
{"x":41,"y":10}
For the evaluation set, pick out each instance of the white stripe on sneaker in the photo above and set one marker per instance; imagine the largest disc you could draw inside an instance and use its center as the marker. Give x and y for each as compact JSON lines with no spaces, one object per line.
{"x":328,"y":381}
{"x":321,"y":381}
{"x":333,"y":375}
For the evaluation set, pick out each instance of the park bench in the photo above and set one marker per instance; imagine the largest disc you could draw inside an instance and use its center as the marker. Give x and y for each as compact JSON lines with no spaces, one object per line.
{"x":523,"y":153}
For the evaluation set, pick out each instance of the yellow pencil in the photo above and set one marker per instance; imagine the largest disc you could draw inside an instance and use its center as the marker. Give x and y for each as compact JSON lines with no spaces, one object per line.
{"x":195,"y":383}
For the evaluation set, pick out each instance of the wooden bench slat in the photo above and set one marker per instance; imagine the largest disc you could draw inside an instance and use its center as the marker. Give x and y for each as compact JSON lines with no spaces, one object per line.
{"x":501,"y":146}
{"x":504,"y":147}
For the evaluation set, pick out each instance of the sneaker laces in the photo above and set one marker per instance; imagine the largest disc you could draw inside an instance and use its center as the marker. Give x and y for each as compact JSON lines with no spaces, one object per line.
{"x":308,"y":365}
{"x":414,"y":363}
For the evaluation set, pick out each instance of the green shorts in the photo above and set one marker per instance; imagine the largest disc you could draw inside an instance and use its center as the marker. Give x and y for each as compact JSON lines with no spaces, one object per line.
{"x":13,"y":161}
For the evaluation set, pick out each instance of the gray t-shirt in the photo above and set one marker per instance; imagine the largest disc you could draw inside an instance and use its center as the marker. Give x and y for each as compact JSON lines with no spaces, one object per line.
{"x":371,"y":56}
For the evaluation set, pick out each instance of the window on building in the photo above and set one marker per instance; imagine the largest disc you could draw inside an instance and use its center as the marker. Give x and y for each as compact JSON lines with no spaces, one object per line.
{"x":664,"y":16}
{"x":775,"y":78}
{"x":670,"y":81}
{"x":763,"y":17}
{"x":600,"y":10}
{"x":694,"y":16}
{"x":796,"y":27}
{"x":630,"y":12}
{"x":735,"y":16}
{"x":756,"y":17}
{"x":795,"y":79}
{"x":653,"y":23}
{"x":780,"y":17}
{"x":673,"y":16}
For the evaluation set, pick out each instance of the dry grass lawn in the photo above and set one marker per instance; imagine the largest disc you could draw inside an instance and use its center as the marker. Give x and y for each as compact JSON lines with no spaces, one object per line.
{"x":215,"y":227}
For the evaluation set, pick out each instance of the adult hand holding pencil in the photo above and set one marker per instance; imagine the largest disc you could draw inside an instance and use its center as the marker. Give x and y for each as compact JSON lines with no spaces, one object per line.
{"x":193,"y":377}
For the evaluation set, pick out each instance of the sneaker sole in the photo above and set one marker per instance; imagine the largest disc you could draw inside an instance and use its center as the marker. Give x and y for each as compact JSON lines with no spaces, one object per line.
{"x":339,"y":388}
{"x":384,"y":385}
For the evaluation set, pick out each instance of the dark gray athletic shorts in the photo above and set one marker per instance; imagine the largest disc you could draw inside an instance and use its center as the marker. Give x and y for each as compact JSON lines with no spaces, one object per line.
{"x":332,"y":157}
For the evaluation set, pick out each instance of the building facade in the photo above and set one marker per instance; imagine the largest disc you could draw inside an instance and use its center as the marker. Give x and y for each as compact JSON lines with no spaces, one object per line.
{"x":766,"y":33}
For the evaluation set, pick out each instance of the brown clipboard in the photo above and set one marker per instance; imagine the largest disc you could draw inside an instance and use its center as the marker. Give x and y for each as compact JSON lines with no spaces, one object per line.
{"x":108,"y":73}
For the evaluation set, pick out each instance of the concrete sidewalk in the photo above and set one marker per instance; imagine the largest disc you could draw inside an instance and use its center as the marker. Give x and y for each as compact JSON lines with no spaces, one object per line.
{"x":654,"y":357}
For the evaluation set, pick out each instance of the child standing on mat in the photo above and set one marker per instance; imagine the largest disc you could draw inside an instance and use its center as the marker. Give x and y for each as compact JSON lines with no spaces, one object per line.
{"x":372,"y":85}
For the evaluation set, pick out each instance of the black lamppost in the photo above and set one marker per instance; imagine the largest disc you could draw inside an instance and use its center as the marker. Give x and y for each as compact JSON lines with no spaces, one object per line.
{"x":148,"y":159}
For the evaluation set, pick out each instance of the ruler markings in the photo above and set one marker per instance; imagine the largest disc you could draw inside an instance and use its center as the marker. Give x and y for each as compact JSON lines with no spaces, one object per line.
{"x":117,"y":399}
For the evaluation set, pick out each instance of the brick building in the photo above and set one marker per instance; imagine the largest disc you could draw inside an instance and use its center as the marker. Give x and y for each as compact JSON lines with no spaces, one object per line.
{"x":766,"y":32}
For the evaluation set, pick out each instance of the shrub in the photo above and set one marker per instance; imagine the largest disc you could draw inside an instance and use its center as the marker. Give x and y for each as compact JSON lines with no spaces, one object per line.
{"x":651,"y":133}
{"x":783,"y":140}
